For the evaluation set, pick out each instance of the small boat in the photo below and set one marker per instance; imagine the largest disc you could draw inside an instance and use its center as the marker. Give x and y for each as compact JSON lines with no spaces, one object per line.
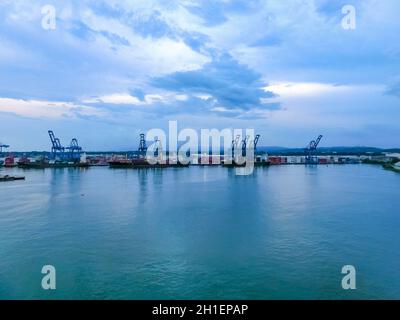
{"x":11,"y":178}
{"x":394,"y":167}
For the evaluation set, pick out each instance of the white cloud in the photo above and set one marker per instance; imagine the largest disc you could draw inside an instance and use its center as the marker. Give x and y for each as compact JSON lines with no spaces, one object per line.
{"x":116,"y":98}
{"x":181,"y":97}
{"x":47,"y":109}
{"x":128,"y":99}
{"x":145,"y":55}
{"x":296,"y":46}
{"x":326,"y":106}
{"x":293,"y":89}
{"x":204,"y":96}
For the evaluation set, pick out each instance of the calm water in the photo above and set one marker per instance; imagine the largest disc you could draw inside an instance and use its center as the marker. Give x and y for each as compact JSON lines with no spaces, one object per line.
{"x":284,"y":232}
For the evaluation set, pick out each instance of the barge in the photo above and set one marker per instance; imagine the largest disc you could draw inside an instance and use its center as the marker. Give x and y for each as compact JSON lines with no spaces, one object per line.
{"x":43,"y":163}
{"x":10,"y":178}
{"x":137,"y":163}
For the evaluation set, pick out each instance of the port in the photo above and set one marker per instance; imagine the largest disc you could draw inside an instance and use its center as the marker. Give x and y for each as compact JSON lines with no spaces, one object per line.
{"x":202,"y":159}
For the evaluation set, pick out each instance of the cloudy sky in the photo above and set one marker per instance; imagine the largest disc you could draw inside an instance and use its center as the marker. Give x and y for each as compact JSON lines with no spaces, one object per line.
{"x":112,"y":69}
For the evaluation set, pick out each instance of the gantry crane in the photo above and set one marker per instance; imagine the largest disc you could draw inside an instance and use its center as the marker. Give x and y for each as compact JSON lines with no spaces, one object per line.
{"x":253,"y":143}
{"x":74,"y":150}
{"x":59,"y":152}
{"x":235,"y":144}
{"x":56,"y":148}
{"x":245,"y":141}
{"x":142,"y":145}
{"x":5,"y":146}
{"x":310,"y":151}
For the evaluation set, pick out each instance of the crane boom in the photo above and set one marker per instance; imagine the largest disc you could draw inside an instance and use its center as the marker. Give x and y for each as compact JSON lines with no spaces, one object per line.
{"x":317,"y":141}
{"x":255,"y":142}
{"x":310,"y":151}
{"x":235,"y":143}
{"x":56,"y":144}
{"x":244,"y":145}
{"x":74,"y":150}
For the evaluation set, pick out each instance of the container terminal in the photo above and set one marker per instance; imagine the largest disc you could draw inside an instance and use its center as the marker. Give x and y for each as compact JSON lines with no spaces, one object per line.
{"x":73,"y":156}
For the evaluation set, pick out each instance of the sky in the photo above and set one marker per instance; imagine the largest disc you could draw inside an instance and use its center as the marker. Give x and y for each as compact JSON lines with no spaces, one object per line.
{"x":109,"y":70}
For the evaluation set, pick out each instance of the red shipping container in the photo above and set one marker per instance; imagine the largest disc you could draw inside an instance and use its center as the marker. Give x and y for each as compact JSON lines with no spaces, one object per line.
{"x":274,"y":160}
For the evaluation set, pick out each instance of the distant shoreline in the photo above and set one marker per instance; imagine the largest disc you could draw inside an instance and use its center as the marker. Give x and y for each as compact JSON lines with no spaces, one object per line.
{"x":260,"y":150}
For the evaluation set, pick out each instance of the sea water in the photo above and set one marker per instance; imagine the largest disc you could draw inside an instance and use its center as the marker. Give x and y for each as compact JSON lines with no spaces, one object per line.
{"x":284,"y":232}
